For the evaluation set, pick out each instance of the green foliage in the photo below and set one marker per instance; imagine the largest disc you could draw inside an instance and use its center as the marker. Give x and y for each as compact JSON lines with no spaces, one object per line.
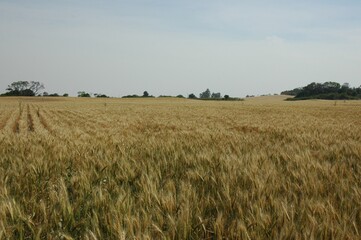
{"x":206,"y":94}
{"x":328,"y":91}
{"x":83,"y":94}
{"x":292,"y":92}
{"x":192,"y":96}
{"x":170,"y":96}
{"x":216,"y":95}
{"x":165,"y":96}
{"x":145,"y":94}
{"x":100,"y":95}
{"x":23,"y":88}
{"x":131,"y":96}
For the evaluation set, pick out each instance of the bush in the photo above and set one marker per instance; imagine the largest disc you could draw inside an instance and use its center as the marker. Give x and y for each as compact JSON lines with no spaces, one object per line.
{"x":192,"y":96}
{"x":327,"y":90}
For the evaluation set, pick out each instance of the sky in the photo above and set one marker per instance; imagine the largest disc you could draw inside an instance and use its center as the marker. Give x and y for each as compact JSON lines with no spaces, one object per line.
{"x":168,"y":47}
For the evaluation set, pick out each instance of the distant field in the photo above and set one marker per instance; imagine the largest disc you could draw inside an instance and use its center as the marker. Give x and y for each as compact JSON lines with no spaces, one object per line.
{"x":163,"y":168}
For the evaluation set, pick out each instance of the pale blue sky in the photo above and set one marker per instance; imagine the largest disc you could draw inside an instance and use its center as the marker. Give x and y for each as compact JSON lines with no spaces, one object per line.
{"x":179,"y":47}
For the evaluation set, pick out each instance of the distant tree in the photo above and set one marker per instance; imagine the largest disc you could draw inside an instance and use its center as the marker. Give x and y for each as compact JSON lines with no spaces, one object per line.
{"x":65,"y":95}
{"x":54,"y":95}
{"x":216,"y":95}
{"x":83,"y":94}
{"x":330,"y":87}
{"x":99,"y":95}
{"x":24,"y":88}
{"x":27,"y":92}
{"x":18,"y":86}
{"x":131,"y":96}
{"x":180,"y":96}
{"x":313,"y":89}
{"x":327,"y":90}
{"x":145,"y":94}
{"x":226,"y":97}
{"x":36,"y":87}
{"x":346,"y":85}
{"x":45,"y":94}
{"x":345,"y":88}
{"x":192,"y":96}
{"x":206,"y":94}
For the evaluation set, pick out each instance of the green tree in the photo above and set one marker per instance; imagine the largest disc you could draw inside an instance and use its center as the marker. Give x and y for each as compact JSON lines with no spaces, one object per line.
{"x":24,"y":88}
{"x":83,"y":94}
{"x":192,"y":96}
{"x":145,"y":94}
{"x":206,"y":94}
{"x":100,"y":95}
{"x":216,"y":95}
{"x":327,"y":90}
{"x":36,"y":87}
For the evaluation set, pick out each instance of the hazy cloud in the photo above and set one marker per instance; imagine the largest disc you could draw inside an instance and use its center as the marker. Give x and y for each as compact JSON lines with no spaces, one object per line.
{"x":172,"y":47}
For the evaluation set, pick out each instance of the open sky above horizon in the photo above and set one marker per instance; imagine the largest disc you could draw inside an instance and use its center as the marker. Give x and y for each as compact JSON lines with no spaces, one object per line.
{"x":179,"y":47}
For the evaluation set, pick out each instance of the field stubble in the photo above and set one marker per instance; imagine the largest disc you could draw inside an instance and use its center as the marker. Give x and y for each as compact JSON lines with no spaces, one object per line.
{"x":179,"y":169}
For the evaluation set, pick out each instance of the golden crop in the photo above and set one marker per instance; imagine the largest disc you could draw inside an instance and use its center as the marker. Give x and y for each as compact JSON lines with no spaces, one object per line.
{"x":179,"y":169}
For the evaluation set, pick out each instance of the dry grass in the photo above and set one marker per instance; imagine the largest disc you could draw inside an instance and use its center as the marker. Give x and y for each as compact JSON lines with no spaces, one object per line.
{"x":179,"y":169}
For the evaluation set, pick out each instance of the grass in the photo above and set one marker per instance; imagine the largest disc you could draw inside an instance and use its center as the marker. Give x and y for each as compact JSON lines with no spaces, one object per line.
{"x":263,"y":168}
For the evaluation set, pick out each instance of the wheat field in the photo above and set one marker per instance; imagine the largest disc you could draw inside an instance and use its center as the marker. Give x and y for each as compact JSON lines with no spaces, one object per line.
{"x":262,"y":168}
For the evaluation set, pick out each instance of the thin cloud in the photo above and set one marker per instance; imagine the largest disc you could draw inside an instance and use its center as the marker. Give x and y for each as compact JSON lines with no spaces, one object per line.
{"x":177,"y":47}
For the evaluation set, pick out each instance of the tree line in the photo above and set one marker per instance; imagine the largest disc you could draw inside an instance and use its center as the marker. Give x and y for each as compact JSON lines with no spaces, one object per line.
{"x":25,"y":88}
{"x":208,"y":95}
{"x":327,"y":90}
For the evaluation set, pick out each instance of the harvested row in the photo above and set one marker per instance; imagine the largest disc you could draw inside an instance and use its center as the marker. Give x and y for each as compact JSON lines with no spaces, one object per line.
{"x":16,"y":123}
{"x":92,"y":127}
{"x":74,"y":114}
{"x":23,"y":122}
{"x":30,"y":120}
{"x":36,"y":122}
{"x":63,"y":118}
{"x":72,"y":126}
{"x":44,"y":122}
{"x":11,"y":123}
{"x":94,"y":121}
{"x":5,"y":119}
{"x":62,"y":128}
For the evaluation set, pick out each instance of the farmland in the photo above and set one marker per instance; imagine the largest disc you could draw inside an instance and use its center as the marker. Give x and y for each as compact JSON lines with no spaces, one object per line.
{"x":262,"y":168}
